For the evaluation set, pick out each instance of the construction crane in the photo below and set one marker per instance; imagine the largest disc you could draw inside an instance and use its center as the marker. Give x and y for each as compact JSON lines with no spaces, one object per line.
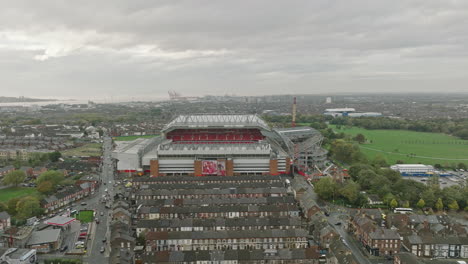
{"x":293,"y":123}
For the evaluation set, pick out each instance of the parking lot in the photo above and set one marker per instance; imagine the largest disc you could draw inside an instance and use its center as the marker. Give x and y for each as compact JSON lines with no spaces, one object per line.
{"x":458,"y":178}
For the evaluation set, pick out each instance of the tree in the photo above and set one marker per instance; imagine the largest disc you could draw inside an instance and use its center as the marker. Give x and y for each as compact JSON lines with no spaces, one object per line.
{"x":325,"y":188}
{"x":461,"y":166}
{"x":350,"y":191}
{"x":15,"y":177}
{"x":453,"y":205}
{"x":3,"y":207}
{"x":380,"y":161}
{"x":46,"y":187}
{"x":11,"y":204}
{"x":55,"y":156}
{"x":421,"y":204}
{"x":28,"y":206}
{"x":406,"y":204}
{"x":439,"y":204}
{"x":429,"y":197}
{"x":55,"y":177}
{"x":393,"y":203}
{"x":360,"y":138}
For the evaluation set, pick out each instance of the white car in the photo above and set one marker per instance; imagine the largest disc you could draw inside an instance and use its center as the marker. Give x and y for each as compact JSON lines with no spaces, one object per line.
{"x":79,"y":243}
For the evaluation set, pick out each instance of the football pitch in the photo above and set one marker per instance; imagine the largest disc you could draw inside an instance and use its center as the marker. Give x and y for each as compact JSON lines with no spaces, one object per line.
{"x":411,"y":146}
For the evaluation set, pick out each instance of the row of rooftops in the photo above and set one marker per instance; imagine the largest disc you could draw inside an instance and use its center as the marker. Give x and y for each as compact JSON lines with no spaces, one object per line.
{"x":221,"y":185}
{"x":219,"y":201}
{"x":229,"y":255}
{"x":237,"y":234}
{"x":184,"y":179}
{"x":219,"y":222}
{"x":218,"y":209}
{"x":233,"y":191}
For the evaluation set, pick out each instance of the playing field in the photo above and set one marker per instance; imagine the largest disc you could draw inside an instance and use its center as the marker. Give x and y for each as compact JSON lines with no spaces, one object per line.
{"x":85,"y":216}
{"x":15,"y":192}
{"x":411,"y":146}
{"x":90,"y":149}
{"x":129,"y":138}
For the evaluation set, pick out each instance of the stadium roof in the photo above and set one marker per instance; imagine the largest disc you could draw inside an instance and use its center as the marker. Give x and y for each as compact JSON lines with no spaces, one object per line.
{"x":216,"y":121}
{"x":298,"y":132}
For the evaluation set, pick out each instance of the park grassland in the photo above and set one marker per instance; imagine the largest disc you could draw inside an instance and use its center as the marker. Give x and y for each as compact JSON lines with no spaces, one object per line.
{"x":90,"y":149}
{"x":85,"y":216}
{"x":130,"y":138}
{"x":16,"y":192}
{"x":410,"y":146}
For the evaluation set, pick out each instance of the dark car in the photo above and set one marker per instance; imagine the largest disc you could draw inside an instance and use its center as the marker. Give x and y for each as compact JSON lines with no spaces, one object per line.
{"x":102,"y":249}
{"x":104,"y":240}
{"x":64,"y":248}
{"x":339,"y":223}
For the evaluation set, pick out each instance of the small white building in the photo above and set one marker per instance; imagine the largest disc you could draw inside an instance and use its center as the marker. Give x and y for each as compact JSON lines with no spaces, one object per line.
{"x":413,"y":169}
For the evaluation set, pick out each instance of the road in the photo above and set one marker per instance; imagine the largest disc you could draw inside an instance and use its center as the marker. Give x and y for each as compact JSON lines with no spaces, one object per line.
{"x":102,"y":229}
{"x":336,"y":217}
{"x":349,"y":241}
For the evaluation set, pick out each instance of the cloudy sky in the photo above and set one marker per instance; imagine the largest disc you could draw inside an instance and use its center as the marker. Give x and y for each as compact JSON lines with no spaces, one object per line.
{"x":95,"y":49}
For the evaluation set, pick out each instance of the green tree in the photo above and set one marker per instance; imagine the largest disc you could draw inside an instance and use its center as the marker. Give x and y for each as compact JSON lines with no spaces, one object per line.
{"x":55,"y":177}
{"x":406,"y":204}
{"x":3,"y":207}
{"x":429,"y":197}
{"x":350,"y":191}
{"x":360,"y":138}
{"x":15,"y":177}
{"x":11,"y":204}
{"x":380,"y":161}
{"x":393,"y":203}
{"x":326,"y":188}
{"x":421,"y":204}
{"x":439,"y":204}
{"x":45,"y":187}
{"x":55,"y":156}
{"x":453,"y":206}
{"x":461,"y":166}
{"x":28,"y":206}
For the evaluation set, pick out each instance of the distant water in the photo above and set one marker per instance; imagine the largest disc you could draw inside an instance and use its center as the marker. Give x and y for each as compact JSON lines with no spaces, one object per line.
{"x":80,"y":101}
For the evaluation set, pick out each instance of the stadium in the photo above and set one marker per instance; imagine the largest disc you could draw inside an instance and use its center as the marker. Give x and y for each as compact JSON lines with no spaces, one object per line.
{"x":221,"y":145}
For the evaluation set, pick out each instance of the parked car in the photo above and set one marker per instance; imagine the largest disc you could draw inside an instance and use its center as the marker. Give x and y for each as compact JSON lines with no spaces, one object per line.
{"x":64,"y":248}
{"x":83,"y":234}
{"x":79,"y":246}
{"x":102,"y":249}
{"x":339,"y":223}
{"x":83,"y":203}
{"x":97,"y":220}
{"x":104,"y":240}
{"x":79,"y":243}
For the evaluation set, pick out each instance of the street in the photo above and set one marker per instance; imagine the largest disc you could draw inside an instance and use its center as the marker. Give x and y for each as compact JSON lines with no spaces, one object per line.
{"x":336,"y":217}
{"x":102,"y":229}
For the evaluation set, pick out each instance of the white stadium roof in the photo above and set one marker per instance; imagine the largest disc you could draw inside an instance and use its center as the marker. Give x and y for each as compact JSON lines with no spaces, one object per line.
{"x":216,"y":121}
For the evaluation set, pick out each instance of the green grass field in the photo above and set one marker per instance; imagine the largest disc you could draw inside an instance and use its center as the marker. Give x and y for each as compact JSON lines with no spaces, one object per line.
{"x":85,"y":216}
{"x":129,"y":138}
{"x":411,"y":146}
{"x":90,"y":149}
{"x":15,"y":192}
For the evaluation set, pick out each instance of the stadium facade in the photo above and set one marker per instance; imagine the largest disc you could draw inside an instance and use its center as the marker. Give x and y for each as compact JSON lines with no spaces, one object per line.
{"x":221,"y":145}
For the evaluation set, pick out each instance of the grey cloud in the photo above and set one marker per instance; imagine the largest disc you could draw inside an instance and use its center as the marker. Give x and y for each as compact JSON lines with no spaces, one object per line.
{"x":100,"y":48}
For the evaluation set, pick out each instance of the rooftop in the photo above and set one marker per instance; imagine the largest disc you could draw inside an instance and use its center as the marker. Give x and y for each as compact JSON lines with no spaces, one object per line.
{"x":44,"y":236}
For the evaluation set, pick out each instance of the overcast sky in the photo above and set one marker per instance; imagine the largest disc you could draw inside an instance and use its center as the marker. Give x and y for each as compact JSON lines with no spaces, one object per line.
{"x":94,"y":49}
